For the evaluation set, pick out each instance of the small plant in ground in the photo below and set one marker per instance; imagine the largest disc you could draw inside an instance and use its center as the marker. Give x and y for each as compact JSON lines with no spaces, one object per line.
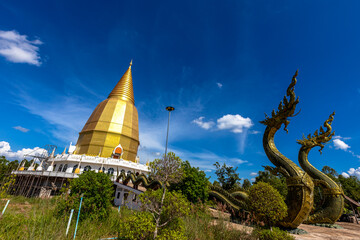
{"x":266,"y":204}
{"x":274,"y":234}
{"x":98,"y":193}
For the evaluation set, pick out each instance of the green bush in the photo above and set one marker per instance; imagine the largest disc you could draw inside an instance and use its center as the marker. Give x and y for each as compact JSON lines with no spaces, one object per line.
{"x":274,"y":234}
{"x":139,"y":225}
{"x":266,"y":203}
{"x":98,"y":193}
{"x":193,"y":185}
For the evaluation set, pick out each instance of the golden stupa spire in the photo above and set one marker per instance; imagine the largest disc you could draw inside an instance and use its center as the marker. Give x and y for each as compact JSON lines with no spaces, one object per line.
{"x":124,"y":88}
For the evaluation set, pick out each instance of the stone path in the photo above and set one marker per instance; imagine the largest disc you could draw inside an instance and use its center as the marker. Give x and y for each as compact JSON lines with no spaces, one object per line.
{"x":350,"y":231}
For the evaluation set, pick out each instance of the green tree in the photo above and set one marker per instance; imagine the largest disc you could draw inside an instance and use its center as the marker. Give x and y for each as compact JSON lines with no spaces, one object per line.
{"x":351,"y":187}
{"x":97,"y":191}
{"x":174,"y":206}
{"x":331,"y":173}
{"x":227,"y":176}
{"x":246,"y":184}
{"x":266,"y":203}
{"x":6,"y":166}
{"x":193,"y":185}
{"x":278,"y":182}
{"x":166,"y":170}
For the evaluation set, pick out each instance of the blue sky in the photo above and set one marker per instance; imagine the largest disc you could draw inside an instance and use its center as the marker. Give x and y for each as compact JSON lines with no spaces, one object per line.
{"x":220,"y":64}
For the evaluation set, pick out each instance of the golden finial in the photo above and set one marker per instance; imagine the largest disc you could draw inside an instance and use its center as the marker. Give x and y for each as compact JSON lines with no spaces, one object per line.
{"x":64,"y":152}
{"x":99,"y":154}
{"x":124,"y":88}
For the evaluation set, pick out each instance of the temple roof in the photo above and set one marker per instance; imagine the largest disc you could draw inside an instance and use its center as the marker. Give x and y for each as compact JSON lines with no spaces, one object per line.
{"x":124,"y":88}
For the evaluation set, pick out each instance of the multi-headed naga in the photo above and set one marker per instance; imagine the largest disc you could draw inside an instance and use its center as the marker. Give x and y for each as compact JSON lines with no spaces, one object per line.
{"x":300,"y":186}
{"x":333,"y":203}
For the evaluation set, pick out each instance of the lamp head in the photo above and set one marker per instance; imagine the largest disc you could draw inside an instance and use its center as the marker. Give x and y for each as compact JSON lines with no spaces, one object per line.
{"x":169,"y":108}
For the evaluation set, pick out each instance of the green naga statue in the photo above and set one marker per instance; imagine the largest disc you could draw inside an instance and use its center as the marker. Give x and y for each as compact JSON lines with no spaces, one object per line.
{"x":137,"y":180}
{"x":299,"y":183}
{"x":333,"y":203}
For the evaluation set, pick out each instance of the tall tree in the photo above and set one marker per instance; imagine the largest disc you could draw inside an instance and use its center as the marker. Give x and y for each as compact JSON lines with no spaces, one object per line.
{"x":193,"y":185}
{"x":227,"y":176}
{"x":246,"y":184}
{"x":166,"y":170}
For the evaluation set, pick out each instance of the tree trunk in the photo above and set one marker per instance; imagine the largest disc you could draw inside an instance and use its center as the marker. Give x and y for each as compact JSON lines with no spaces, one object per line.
{"x":156,"y":227}
{"x":157,"y":221}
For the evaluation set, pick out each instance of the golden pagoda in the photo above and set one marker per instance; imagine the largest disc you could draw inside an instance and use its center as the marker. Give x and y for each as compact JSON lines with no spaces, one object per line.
{"x":114,"y":121}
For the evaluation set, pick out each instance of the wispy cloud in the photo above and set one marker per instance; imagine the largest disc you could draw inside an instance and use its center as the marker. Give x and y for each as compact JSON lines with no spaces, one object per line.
{"x":21,"y":129}
{"x":5,"y":150}
{"x":219,"y":85}
{"x":253,"y":174}
{"x":201,"y":123}
{"x":18,"y":48}
{"x":67,"y":115}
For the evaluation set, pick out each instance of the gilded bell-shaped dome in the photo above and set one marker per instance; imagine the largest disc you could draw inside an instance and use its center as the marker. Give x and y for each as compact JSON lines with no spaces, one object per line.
{"x":114,"y":121}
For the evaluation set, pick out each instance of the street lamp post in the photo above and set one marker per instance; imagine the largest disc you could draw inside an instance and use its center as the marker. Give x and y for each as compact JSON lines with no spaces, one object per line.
{"x":169,"y":109}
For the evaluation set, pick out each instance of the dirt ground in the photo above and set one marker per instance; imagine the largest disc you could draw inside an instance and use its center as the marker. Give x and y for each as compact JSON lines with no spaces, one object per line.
{"x":350,"y":231}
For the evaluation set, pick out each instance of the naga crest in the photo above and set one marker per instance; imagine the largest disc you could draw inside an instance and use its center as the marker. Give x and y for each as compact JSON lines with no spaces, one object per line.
{"x":286,"y":108}
{"x":319,"y":139}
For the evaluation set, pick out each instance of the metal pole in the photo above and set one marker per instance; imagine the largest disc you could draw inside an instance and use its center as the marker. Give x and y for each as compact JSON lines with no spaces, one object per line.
{"x":68,"y":226}
{"x":3,"y":211}
{"x":77,"y":221}
{"x":169,"y":108}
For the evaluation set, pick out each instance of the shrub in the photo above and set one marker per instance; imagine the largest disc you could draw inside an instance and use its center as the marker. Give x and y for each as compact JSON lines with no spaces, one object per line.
{"x":274,"y":234}
{"x":139,"y":225}
{"x":266,"y":203}
{"x":98,"y":194}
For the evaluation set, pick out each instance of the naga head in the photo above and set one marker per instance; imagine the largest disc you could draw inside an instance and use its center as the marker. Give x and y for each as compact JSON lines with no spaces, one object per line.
{"x":319,"y":139}
{"x":285,"y":110}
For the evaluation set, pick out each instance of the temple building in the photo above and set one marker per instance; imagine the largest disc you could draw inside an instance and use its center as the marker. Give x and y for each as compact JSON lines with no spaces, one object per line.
{"x":107,"y":143}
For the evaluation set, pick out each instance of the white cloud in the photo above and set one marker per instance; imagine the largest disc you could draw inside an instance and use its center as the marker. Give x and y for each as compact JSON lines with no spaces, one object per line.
{"x":253,"y":174}
{"x":18,"y":49}
{"x":254,"y":132}
{"x":345,"y":174}
{"x":238,"y":161}
{"x":21,"y":129}
{"x":252,"y":180}
{"x":352,"y":172}
{"x":339,"y":144}
{"x":340,"y":137}
{"x":234,"y":123}
{"x":205,"y":125}
{"x":5,"y":150}
{"x":219,"y":85}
